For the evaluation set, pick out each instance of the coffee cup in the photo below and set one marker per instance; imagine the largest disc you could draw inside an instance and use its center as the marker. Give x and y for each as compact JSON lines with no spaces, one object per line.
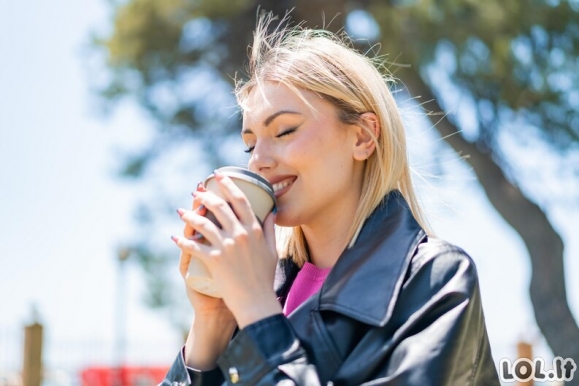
{"x":261,"y":197}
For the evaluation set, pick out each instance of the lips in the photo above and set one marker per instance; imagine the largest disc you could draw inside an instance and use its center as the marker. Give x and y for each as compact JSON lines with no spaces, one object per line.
{"x":281,"y":184}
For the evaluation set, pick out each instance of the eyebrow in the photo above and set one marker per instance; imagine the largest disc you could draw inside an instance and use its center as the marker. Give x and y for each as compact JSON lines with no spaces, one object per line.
{"x":270,"y":119}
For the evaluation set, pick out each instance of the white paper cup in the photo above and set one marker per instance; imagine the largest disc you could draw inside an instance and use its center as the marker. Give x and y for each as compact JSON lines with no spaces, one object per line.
{"x":260,"y":194}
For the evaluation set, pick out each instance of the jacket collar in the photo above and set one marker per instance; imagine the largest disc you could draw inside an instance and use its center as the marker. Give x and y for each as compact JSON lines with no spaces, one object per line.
{"x":367,"y":278}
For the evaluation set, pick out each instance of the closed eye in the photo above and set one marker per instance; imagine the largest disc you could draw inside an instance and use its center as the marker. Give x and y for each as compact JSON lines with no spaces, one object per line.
{"x":288,"y":131}
{"x":282,"y":134}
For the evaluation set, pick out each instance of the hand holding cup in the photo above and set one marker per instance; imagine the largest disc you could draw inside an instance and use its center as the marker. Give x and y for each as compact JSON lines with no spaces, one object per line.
{"x":258,"y":192}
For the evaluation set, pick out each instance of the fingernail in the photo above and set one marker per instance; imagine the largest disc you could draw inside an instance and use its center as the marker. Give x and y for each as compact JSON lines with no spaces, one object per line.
{"x":217,"y":173}
{"x":274,"y":210}
{"x":181,"y":211}
{"x":199,"y":184}
{"x":197,"y":236}
{"x":200,"y":208}
{"x":174,"y":238}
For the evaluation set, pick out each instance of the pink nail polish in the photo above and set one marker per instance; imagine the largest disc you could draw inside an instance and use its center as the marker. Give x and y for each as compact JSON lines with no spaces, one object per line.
{"x":181,"y":211}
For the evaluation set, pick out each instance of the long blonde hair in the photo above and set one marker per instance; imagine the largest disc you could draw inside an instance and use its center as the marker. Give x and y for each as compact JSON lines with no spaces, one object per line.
{"x":325,"y":63}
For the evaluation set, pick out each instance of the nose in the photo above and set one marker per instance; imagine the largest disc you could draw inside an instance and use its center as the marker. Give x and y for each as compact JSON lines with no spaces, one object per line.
{"x":262,"y":158}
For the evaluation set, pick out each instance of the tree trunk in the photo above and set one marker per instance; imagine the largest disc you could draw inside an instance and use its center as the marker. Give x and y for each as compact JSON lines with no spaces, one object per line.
{"x":547,"y":287}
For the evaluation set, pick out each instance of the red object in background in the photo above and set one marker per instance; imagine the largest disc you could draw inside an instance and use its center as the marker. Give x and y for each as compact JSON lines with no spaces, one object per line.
{"x":122,"y":376}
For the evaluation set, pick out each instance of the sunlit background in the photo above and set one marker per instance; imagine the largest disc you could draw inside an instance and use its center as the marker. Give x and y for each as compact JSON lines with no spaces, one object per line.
{"x":66,"y":214}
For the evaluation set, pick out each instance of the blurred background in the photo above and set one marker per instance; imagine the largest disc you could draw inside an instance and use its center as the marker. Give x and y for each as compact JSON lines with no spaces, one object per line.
{"x":112,"y":111}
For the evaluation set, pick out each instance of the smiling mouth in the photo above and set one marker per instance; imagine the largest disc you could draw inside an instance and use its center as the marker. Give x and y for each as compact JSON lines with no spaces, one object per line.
{"x":282,"y":184}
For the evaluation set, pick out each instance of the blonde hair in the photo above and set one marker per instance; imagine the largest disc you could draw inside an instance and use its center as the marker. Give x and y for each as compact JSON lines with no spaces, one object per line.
{"x":324,"y":63}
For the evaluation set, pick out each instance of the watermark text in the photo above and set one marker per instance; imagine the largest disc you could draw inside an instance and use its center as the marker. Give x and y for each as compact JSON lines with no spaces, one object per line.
{"x":524,"y":370}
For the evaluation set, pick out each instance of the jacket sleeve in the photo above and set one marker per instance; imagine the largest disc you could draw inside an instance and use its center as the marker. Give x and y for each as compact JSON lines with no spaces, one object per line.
{"x":266,"y":352}
{"x":181,"y":375}
{"x":436,"y":334}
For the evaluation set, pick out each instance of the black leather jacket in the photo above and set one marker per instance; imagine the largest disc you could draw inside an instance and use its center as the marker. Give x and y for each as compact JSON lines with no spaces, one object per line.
{"x":398,"y":308}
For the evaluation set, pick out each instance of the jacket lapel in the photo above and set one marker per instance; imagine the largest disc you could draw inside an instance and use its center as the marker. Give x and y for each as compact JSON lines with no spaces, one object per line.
{"x":366,"y":279}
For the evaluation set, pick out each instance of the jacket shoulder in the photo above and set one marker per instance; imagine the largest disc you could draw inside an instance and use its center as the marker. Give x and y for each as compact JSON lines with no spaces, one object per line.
{"x":443,"y":263}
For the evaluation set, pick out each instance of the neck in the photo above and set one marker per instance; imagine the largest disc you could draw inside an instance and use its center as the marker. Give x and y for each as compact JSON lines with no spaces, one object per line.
{"x":330,"y":235}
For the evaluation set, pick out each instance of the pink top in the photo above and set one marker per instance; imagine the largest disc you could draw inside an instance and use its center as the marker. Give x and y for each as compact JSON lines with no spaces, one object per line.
{"x":308,"y":281}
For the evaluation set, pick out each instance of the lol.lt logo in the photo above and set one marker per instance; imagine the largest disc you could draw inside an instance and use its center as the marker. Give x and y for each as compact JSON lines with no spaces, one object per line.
{"x":524,"y":370}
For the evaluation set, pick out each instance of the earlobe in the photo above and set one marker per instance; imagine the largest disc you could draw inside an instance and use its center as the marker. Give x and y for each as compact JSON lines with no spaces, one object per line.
{"x":367,"y":134}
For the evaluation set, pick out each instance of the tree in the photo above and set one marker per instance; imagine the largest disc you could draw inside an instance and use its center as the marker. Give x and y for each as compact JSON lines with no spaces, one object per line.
{"x":511,"y":62}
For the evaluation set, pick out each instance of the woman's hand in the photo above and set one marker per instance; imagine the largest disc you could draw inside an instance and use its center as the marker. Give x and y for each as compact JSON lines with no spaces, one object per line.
{"x":202,"y":304}
{"x":214,"y":324}
{"x":242,"y":256}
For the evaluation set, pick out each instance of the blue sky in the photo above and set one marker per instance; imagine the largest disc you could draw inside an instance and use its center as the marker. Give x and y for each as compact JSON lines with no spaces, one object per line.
{"x":63,"y":212}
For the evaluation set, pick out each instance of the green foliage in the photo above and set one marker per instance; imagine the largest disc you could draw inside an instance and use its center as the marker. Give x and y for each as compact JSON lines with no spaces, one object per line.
{"x":149,"y":36}
{"x":520,"y":55}
{"x":178,"y":58}
{"x":146,"y":37}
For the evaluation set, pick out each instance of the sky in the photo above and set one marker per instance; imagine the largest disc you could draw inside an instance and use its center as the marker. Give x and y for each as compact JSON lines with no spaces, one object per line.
{"x":64,"y":213}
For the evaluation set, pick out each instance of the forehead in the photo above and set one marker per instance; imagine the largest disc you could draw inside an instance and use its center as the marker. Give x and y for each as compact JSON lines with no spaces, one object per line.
{"x":268,"y":98}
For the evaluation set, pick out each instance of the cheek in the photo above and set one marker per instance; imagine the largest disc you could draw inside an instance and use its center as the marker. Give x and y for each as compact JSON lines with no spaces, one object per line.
{"x":320,"y":153}
{"x":302,"y":151}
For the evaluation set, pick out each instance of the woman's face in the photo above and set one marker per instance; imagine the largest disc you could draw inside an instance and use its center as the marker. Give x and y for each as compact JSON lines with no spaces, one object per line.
{"x":305,"y":152}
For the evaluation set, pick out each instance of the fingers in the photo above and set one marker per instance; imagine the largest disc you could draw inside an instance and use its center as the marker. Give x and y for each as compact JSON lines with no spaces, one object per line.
{"x":200,"y":187}
{"x":195,"y":205}
{"x":189,"y":248}
{"x":201,"y":225}
{"x":234,"y":195}
{"x":232,"y":210}
{"x":221,"y":210}
{"x":188,"y":231}
{"x":233,"y":218}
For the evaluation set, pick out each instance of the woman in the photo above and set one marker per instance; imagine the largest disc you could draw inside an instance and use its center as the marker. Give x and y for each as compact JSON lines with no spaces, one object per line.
{"x":363,"y":294}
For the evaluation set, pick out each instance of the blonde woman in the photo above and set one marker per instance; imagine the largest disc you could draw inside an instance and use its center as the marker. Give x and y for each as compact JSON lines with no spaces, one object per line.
{"x":363,"y":294}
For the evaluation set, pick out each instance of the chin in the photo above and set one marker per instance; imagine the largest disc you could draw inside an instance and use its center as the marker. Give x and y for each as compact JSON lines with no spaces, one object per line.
{"x":284,"y":219}
{"x":280,"y":222}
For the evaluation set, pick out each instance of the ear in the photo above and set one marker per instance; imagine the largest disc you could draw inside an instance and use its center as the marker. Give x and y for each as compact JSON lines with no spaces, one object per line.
{"x":365,"y":144}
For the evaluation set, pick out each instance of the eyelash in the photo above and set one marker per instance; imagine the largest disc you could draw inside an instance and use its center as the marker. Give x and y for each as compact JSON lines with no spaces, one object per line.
{"x":282,"y":134}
